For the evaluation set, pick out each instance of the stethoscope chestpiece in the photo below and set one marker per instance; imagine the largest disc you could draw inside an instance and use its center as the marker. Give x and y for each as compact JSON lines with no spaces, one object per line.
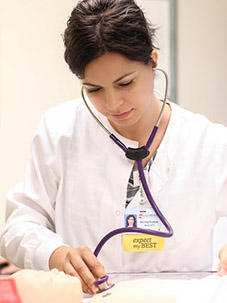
{"x":103,"y":284}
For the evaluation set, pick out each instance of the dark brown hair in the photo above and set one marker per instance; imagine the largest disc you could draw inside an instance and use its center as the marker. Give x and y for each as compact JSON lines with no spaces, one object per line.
{"x":99,"y":26}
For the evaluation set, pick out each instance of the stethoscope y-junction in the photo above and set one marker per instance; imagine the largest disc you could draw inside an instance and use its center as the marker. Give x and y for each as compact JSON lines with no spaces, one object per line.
{"x":136,"y":154}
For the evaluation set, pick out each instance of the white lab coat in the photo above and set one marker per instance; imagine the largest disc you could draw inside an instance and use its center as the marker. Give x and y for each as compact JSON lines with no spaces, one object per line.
{"x":75,"y":191}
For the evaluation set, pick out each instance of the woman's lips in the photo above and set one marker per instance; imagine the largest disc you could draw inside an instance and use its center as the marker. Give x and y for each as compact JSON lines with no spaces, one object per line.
{"x":122,"y":115}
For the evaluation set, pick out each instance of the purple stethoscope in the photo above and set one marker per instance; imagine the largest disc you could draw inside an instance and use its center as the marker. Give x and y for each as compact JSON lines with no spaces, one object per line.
{"x":136,"y":154}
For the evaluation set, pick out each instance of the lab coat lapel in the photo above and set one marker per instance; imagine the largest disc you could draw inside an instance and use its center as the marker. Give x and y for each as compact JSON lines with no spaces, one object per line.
{"x":157,"y":178}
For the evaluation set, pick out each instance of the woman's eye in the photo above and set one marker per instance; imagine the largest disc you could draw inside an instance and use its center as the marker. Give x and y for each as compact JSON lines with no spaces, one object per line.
{"x":93,"y":90}
{"x":126,"y":83}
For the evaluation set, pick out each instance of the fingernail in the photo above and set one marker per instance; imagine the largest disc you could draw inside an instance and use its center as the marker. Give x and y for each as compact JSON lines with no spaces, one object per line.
{"x":94,"y":289}
{"x":222,"y":272}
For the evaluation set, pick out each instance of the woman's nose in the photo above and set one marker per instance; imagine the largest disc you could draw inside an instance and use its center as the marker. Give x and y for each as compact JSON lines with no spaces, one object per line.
{"x":113,"y":100}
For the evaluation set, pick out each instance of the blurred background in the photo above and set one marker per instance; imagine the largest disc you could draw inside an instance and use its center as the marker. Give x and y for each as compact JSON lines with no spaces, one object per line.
{"x":34,"y":76}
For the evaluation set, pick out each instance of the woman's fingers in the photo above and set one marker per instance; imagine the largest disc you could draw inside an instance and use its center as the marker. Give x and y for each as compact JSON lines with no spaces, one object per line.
{"x":222,"y":267}
{"x":70,"y":270}
{"x":88,"y":267}
{"x":79,"y":262}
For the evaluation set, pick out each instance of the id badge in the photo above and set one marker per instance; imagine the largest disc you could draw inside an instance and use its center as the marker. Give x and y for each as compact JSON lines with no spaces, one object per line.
{"x":145,"y":218}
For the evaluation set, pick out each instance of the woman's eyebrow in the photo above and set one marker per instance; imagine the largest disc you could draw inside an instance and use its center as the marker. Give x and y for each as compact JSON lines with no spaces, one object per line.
{"x":90,"y":84}
{"x":118,"y":79}
{"x":122,"y":77}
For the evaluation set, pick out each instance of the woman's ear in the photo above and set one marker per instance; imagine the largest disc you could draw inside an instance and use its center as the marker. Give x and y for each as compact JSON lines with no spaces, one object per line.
{"x":154,"y":58}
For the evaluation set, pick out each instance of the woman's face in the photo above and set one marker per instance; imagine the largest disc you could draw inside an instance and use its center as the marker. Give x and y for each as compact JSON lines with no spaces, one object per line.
{"x":130,"y":221}
{"x":120,"y":89}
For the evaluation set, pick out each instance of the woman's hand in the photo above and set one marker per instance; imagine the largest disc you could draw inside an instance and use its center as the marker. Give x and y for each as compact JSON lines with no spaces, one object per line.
{"x":222,"y":266}
{"x":79,"y":262}
{"x":7,"y":268}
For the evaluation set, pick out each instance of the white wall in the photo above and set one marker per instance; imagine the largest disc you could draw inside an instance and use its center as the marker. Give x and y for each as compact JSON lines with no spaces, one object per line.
{"x":202,"y":70}
{"x":34,"y":76}
{"x":202,"y":63}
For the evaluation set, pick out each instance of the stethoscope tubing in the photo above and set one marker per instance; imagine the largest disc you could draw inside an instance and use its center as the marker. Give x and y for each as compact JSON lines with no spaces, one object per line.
{"x":136,"y":229}
{"x":122,"y":230}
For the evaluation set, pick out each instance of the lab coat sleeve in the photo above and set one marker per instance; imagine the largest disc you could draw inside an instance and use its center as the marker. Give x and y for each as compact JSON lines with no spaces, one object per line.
{"x":221,"y":170}
{"x":29,"y":236}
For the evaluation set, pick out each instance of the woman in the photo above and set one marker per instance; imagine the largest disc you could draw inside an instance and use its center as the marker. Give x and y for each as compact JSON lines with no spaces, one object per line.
{"x":76,"y":183}
{"x":130,"y":221}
